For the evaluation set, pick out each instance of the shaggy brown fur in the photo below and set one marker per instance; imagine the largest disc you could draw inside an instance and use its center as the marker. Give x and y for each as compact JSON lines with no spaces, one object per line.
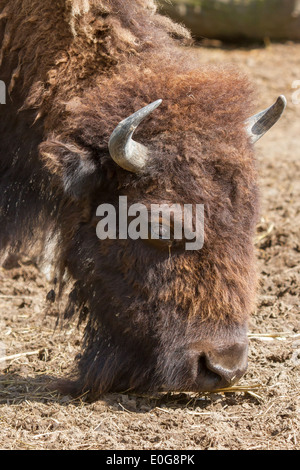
{"x":74,"y":69}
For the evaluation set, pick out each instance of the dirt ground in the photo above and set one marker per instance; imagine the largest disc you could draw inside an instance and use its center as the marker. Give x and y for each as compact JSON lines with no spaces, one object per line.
{"x":264,"y":412}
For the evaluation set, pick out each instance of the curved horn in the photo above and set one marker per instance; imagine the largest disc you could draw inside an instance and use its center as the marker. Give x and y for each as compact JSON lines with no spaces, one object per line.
{"x":259,"y":124}
{"x":127,"y":153}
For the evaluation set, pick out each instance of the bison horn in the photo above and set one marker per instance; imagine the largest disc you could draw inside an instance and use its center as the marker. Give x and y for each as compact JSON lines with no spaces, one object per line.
{"x":259,"y":124}
{"x":127,"y":153}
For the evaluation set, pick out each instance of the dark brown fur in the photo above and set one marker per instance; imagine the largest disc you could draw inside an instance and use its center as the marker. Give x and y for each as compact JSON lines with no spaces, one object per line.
{"x":74,"y":69}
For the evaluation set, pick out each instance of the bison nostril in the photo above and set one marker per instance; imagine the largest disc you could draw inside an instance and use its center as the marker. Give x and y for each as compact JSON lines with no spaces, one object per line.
{"x":227,"y":376}
{"x":207,"y":376}
{"x":222,"y":368}
{"x":230,"y":363}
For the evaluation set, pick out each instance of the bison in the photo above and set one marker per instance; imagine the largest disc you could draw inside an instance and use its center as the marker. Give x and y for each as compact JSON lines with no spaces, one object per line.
{"x":81,"y":77}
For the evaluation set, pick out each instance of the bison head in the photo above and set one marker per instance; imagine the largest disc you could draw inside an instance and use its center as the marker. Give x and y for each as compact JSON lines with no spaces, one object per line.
{"x":160,"y":317}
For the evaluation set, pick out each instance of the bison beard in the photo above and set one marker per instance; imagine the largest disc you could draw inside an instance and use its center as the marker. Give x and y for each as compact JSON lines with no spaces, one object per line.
{"x":74,"y":69}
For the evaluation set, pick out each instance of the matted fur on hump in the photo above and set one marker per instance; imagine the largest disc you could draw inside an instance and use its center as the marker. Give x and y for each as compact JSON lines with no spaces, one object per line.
{"x":47,"y":43}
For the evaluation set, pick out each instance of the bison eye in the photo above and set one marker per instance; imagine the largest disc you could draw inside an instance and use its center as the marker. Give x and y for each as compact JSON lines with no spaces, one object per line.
{"x":158,"y":231}
{"x":164,"y":232}
{"x":161,"y":234}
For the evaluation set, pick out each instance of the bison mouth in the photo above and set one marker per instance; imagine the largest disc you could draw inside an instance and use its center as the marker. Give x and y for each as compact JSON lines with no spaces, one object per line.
{"x":124,"y":368}
{"x":204,"y":368}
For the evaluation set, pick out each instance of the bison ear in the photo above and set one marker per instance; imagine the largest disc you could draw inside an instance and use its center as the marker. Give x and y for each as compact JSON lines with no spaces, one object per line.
{"x":259,"y":124}
{"x":71,"y":167}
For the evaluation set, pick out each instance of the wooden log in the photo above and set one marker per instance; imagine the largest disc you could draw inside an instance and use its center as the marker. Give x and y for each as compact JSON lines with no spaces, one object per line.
{"x":237,"y":19}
